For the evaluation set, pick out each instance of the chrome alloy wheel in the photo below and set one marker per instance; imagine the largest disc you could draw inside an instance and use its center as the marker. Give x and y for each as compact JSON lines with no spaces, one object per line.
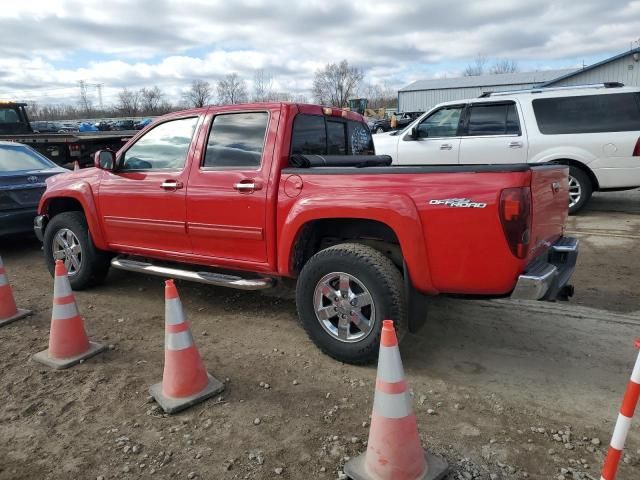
{"x":66,"y":247}
{"x":575,"y":191}
{"x":344,"y":307}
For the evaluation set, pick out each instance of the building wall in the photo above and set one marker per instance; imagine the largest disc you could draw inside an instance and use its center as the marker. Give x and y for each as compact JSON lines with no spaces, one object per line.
{"x":625,"y":70}
{"x":423,"y":100}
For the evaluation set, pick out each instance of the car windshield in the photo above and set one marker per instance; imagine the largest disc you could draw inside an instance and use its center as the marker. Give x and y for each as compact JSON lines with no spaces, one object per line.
{"x":19,"y":157}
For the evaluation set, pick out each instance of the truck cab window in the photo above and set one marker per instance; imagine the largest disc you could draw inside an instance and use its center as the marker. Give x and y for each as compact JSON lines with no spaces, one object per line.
{"x":164,"y":147}
{"x":318,"y":135}
{"x":236,"y":140}
{"x":336,"y":138}
{"x":309,"y":135}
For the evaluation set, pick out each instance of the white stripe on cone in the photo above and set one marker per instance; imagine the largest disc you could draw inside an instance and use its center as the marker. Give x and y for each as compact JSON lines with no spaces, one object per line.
{"x":61,"y":287}
{"x":390,"y":365}
{"x":635,"y":375}
{"x":178,"y":341}
{"x":64,"y":312}
{"x":623,"y":424}
{"x":173,"y":313}
{"x":3,"y":280}
{"x":392,"y":405}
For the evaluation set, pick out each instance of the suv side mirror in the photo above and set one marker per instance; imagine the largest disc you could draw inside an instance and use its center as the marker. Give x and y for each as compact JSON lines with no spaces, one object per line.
{"x":104,"y":160}
{"x":415,"y":133}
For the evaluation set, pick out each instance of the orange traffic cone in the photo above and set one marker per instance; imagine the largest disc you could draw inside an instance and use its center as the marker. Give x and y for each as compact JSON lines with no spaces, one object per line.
{"x":185,"y":380}
{"x":393,"y":450}
{"x":8,"y":310}
{"x":68,"y":342}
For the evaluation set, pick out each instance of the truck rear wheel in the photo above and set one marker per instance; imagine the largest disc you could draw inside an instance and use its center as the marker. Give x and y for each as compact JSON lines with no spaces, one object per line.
{"x":343,"y":294}
{"x":67,"y":238}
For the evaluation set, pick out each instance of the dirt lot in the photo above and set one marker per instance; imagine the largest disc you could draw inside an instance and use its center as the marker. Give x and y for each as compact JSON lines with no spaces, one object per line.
{"x":501,"y":378}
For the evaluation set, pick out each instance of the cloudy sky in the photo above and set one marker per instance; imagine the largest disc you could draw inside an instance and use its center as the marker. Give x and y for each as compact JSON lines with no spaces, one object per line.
{"x":47,"y":46}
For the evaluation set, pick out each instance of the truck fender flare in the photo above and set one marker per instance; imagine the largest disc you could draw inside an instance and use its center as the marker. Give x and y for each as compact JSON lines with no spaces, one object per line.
{"x":398,"y":212}
{"x":83,"y":194}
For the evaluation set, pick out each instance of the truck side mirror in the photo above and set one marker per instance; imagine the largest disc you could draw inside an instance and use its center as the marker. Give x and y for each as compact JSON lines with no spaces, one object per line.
{"x":415,"y":134}
{"x":104,"y":160}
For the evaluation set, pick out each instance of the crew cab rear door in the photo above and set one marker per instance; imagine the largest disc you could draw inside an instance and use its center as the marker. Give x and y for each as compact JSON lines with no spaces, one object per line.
{"x":228,"y":188}
{"x":142,"y":202}
{"x":493,"y":133}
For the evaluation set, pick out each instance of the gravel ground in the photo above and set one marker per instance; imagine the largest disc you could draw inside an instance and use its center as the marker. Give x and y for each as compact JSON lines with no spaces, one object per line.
{"x":502,"y":390}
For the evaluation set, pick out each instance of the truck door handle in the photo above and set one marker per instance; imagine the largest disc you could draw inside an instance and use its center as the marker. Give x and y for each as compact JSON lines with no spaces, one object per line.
{"x":515,"y":145}
{"x":446,"y":146}
{"x":247,"y":186}
{"x":171,"y":185}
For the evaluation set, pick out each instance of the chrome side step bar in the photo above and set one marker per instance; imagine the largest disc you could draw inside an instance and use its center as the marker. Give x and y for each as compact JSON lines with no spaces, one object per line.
{"x":210,"y":278}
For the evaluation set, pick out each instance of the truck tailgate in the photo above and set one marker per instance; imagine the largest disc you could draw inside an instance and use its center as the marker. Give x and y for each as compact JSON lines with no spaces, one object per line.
{"x":550,"y":206}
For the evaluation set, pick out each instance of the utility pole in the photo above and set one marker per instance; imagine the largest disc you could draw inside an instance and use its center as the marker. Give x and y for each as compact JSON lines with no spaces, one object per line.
{"x":99,"y":87}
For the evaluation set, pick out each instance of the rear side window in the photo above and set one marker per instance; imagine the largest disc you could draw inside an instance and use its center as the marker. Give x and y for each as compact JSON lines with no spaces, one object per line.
{"x":617,"y":112}
{"x":493,"y":119}
{"x":236,"y":140}
{"x":317,"y":135}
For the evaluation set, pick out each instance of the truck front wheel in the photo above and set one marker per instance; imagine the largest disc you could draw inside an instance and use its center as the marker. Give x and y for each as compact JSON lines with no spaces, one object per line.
{"x":67,"y":238}
{"x":343,"y":294}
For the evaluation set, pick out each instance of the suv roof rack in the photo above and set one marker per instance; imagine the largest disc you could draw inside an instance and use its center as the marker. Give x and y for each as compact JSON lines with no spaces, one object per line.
{"x":550,"y":89}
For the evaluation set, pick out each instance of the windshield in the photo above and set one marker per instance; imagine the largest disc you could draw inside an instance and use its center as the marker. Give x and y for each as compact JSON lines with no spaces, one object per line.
{"x":19,"y":157}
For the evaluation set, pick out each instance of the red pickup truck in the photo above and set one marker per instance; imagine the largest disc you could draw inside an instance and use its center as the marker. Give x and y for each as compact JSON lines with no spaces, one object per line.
{"x":248,"y":195}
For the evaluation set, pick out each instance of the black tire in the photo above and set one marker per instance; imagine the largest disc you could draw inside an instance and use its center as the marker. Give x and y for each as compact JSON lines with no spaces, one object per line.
{"x":379,"y":130}
{"x":381,"y":278}
{"x":585,"y":185}
{"x":95,"y":263}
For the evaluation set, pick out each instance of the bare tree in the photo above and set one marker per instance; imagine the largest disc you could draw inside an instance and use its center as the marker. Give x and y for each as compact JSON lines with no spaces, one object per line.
{"x":477,"y":67}
{"x":505,"y":66}
{"x":150,"y":100}
{"x":232,"y":89}
{"x":379,"y":96}
{"x":262,"y":86}
{"x":199,"y":94}
{"x":128,"y":102}
{"x":336,"y":83}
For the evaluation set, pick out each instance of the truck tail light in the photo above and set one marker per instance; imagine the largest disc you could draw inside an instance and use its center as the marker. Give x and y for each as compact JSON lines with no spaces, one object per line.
{"x":636,"y":149}
{"x":515,"y":215}
{"x":74,"y":150}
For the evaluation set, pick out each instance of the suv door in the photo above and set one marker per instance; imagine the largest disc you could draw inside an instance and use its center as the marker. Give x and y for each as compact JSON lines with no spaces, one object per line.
{"x":228,"y":188}
{"x":142,"y":202}
{"x":492,"y":133}
{"x":437,"y":140}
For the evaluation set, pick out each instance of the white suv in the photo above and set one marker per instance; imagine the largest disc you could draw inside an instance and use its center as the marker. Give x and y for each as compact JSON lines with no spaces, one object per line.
{"x":595,"y":129}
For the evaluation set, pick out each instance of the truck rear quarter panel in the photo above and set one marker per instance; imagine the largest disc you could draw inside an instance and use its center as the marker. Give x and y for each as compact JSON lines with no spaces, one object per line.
{"x":447,"y":249}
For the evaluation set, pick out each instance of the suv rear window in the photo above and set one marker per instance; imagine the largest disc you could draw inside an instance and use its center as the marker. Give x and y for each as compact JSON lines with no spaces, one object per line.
{"x":615,"y":112}
{"x":318,"y":135}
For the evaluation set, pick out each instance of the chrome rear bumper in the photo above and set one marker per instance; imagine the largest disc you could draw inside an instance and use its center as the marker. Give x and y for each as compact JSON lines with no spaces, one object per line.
{"x":547,"y":278}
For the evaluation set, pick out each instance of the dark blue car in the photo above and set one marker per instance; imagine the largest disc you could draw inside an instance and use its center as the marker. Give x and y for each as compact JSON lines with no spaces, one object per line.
{"x":22,"y":175}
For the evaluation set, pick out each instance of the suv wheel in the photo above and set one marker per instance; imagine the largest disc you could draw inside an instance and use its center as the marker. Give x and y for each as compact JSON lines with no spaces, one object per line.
{"x":67,"y":238}
{"x":580,"y":189}
{"x":379,"y":130}
{"x":343,"y":294}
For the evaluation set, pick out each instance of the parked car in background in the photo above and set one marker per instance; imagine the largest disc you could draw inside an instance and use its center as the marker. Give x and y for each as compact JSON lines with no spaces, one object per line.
{"x":23,"y":172}
{"x":142,"y":123}
{"x":104,"y":126}
{"x":593,"y":129}
{"x":244,"y":196}
{"x":44,"y":127}
{"x":386,"y":124}
{"x":124,"y":125}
